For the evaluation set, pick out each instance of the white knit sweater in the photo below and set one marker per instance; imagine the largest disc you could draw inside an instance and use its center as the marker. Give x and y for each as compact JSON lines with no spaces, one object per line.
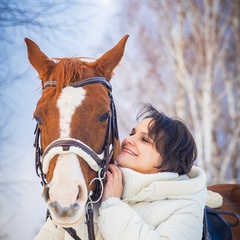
{"x":135,"y":182}
{"x":156,"y":206}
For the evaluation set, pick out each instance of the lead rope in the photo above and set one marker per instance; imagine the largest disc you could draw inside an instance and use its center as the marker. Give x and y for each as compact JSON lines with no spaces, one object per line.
{"x":90,"y":224}
{"x":72,"y":232}
{"x":89,"y":206}
{"x":89,"y":221}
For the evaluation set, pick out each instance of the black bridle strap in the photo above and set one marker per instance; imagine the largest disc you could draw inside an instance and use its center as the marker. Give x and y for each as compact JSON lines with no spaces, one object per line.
{"x":72,"y":232}
{"x":81,"y":83}
{"x":38,"y":154}
{"x":91,"y":236}
{"x":90,"y":224}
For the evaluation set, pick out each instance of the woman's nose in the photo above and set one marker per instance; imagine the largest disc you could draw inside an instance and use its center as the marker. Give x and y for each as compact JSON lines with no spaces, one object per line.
{"x":129,"y":140}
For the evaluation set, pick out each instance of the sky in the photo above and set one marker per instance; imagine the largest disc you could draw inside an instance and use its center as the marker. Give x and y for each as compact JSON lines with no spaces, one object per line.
{"x":21,"y":205}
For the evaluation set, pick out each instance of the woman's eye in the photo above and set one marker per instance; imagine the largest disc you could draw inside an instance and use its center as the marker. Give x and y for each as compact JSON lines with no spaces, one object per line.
{"x":145,"y":140}
{"x":38,"y":120}
{"x":132,"y":133}
{"x":104,"y":117}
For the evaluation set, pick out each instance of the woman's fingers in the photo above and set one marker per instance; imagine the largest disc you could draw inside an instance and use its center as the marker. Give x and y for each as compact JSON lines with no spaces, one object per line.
{"x":113,"y":187}
{"x":115,"y":171}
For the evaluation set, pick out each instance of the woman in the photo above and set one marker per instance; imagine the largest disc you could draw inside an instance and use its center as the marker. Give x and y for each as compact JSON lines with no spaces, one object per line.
{"x":154,"y":192}
{"x":163,"y":196}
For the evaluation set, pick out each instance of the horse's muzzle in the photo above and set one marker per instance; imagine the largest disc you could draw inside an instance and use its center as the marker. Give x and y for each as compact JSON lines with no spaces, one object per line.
{"x":63,"y":212}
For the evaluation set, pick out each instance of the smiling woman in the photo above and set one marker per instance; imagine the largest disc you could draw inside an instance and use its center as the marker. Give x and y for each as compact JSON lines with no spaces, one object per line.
{"x":155,"y":192}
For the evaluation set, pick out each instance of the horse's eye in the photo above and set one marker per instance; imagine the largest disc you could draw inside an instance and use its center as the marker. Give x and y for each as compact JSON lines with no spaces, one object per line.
{"x":104,"y":117}
{"x":38,"y":120}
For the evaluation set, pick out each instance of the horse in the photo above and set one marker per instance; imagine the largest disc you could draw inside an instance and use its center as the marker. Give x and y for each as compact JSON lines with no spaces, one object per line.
{"x":230,"y":206}
{"x":76,"y":130}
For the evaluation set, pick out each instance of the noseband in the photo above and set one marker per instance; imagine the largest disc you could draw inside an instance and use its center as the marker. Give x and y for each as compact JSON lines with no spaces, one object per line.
{"x":61,"y":146}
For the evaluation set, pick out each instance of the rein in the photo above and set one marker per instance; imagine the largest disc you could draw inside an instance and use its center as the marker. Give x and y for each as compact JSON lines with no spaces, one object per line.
{"x":96,"y":162}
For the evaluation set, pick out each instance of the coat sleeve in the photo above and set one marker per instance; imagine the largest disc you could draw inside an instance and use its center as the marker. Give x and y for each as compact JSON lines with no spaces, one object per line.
{"x":119,"y":221}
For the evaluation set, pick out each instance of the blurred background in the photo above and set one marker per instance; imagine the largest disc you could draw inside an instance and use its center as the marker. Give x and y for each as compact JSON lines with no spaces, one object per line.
{"x":183,"y":56}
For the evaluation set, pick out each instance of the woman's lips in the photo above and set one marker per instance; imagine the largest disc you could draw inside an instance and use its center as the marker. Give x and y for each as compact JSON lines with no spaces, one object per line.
{"x":126,"y":150}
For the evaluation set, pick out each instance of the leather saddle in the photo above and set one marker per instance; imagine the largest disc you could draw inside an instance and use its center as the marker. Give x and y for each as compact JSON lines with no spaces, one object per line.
{"x":215,"y":227}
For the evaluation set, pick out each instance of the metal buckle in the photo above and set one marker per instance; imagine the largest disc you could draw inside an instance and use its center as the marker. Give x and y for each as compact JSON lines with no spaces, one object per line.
{"x":100,"y":178}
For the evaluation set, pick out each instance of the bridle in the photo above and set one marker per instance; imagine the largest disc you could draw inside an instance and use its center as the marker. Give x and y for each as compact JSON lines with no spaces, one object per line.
{"x":98,"y":164}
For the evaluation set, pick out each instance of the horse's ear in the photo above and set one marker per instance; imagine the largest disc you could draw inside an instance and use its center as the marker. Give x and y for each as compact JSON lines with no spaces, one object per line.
{"x":108,"y":61}
{"x":37,"y":58}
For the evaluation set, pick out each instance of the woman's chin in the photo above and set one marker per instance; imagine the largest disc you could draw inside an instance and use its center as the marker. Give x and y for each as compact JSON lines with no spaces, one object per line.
{"x":117,"y":164}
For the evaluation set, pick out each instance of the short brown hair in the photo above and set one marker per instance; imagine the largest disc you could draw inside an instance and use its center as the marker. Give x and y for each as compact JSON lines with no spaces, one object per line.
{"x":172,"y":140}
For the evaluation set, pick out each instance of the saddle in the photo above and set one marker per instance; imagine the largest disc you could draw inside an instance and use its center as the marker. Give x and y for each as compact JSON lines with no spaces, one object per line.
{"x":215,"y":227}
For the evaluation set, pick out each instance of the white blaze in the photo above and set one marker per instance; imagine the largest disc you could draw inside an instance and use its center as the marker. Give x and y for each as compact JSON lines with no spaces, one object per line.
{"x":69,"y":99}
{"x":67,"y":176}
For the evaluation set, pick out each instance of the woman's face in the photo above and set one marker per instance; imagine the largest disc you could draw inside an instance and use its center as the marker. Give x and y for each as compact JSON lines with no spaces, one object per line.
{"x":138,"y":152}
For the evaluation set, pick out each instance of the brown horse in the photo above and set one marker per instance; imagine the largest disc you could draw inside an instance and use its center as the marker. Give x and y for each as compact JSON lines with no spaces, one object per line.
{"x":231,"y":202}
{"x":76,"y":123}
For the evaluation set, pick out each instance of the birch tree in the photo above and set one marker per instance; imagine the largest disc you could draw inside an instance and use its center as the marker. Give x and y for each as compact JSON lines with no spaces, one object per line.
{"x":192,"y":52}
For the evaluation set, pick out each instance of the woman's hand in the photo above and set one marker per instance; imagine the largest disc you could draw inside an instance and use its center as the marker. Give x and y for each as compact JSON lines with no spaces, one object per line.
{"x":114,"y":186}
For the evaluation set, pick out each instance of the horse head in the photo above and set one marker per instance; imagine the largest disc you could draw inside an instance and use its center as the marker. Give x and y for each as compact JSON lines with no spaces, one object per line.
{"x":74,"y":120}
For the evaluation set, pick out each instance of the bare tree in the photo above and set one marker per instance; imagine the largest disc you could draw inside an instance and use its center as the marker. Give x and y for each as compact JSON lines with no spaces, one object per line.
{"x":192,"y":56}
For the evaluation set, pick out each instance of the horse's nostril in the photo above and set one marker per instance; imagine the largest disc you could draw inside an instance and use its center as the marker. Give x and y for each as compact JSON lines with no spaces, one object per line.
{"x":75,"y":206}
{"x":79,"y":191}
{"x":45,"y":193}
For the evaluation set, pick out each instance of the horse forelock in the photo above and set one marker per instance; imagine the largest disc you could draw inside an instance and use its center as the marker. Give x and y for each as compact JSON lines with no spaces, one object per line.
{"x":66,"y":71}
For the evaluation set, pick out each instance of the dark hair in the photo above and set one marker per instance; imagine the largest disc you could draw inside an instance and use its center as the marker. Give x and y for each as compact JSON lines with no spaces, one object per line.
{"x":172,"y":140}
